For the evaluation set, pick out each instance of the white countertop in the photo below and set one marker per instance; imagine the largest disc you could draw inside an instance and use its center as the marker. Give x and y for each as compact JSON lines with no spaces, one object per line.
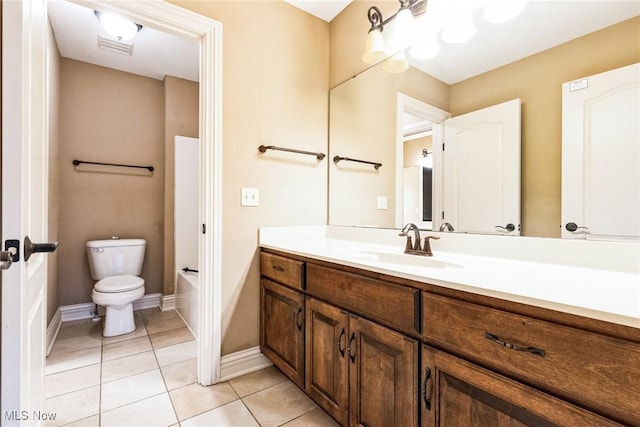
{"x":600,"y":293}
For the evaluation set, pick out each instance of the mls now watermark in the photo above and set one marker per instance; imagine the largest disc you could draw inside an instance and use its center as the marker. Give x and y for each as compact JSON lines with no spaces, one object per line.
{"x":29,"y":416}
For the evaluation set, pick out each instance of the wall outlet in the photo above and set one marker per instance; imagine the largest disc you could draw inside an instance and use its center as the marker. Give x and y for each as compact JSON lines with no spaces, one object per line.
{"x":382,"y":202}
{"x":250,"y":197}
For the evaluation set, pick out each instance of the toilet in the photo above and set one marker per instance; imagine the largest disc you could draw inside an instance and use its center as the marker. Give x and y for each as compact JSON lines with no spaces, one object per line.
{"x":116,"y":265}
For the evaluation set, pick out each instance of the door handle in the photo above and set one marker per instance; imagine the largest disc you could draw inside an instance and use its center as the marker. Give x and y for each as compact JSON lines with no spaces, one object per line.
{"x":32,"y":248}
{"x":509,"y":227}
{"x":6,"y":258}
{"x":572,"y":226}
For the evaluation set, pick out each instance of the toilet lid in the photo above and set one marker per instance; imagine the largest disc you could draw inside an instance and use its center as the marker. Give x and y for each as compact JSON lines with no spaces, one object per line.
{"x":119,"y":283}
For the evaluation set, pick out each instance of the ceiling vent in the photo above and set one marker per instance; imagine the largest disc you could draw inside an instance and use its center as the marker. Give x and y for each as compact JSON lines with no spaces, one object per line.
{"x":115,"y":46}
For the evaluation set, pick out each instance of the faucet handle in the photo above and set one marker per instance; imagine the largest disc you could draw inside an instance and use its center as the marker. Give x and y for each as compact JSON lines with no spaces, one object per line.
{"x":427,"y":247}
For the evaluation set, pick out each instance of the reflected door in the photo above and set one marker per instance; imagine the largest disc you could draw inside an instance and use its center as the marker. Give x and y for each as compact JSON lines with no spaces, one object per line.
{"x":482,"y":170}
{"x":601,"y":155}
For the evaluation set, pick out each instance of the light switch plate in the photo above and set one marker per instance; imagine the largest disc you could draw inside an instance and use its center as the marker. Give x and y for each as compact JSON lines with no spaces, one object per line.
{"x":250,"y":197}
{"x":382,"y":202}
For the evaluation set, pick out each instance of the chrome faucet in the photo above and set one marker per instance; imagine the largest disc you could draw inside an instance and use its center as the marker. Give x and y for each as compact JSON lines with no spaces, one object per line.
{"x":446,"y":227}
{"x":416,"y":248}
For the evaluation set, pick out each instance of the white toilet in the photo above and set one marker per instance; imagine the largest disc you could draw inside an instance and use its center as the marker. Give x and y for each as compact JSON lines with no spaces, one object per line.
{"x":116,"y":265}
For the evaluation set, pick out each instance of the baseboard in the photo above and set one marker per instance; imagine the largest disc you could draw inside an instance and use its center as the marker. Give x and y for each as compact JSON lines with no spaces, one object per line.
{"x":53,"y":329}
{"x":70,"y":313}
{"x":242,"y":362}
{"x":168,"y":302}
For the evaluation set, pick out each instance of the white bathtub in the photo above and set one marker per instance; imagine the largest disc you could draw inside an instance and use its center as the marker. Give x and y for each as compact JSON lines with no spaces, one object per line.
{"x":187,"y":291}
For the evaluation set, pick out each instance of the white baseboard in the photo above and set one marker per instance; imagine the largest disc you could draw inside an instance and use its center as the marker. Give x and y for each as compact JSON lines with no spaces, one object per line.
{"x":84,"y":311}
{"x":242,"y":362}
{"x":168,"y":302}
{"x":53,"y":329}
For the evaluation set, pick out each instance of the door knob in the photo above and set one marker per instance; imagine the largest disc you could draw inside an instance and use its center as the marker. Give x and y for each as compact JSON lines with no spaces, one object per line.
{"x":31,"y":248}
{"x":6,"y":259}
{"x":572,"y":226}
{"x":509,"y":227}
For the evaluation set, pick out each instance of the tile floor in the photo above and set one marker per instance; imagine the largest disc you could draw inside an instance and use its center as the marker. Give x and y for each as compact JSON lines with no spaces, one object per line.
{"x":148,"y":378}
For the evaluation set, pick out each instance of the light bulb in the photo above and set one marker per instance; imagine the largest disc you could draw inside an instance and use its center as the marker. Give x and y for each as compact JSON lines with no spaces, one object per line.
{"x":497,"y":11}
{"x":374,"y":50}
{"x":403,"y":29}
{"x":460,"y":30}
{"x":425,"y":47}
{"x":117,"y":26}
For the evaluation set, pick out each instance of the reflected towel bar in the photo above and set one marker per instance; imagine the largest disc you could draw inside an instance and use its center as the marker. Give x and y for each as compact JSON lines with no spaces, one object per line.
{"x":79,"y":162}
{"x":264,"y":148}
{"x":376,"y":165}
{"x":189,"y":270}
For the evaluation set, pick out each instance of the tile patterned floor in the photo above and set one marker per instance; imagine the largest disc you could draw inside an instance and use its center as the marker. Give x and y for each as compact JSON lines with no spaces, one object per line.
{"x":148,"y":378}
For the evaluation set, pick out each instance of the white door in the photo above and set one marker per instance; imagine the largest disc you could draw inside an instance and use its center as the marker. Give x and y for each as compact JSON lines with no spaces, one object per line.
{"x":24,"y":207}
{"x":482,"y":170}
{"x":601,"y":155}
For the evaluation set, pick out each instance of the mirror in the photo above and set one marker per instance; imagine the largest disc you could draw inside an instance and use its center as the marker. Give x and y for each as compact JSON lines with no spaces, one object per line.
{"x":363,"y":117}
{"x":363,"y":114}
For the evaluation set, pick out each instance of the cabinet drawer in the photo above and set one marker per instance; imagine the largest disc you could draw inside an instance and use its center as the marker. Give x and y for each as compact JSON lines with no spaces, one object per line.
{"x":593,"y":370}
{"x":284,"y":270}
{"x":391,"y":305}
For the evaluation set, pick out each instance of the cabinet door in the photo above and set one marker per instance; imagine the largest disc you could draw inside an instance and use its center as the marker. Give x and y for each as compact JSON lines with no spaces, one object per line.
{"x":327,"y":332}
{"x":383,"y":376}
{"x":282,"y":329}
{"x":458,"y":393}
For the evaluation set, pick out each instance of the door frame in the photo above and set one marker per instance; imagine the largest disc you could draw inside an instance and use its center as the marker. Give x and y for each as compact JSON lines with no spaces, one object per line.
{"x":406,"y":103}
{"x":176,"y":20}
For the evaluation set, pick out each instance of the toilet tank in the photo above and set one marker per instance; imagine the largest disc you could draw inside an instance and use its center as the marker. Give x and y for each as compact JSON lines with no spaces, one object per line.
{"x":115,"y":257}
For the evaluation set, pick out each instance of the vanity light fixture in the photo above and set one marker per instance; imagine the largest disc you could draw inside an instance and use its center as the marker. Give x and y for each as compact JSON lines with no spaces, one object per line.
{"x":118,"y":27}
{"x":414,"y":30}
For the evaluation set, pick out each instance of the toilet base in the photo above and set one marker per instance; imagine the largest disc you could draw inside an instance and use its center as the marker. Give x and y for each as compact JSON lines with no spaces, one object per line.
{"x":118,"y":320}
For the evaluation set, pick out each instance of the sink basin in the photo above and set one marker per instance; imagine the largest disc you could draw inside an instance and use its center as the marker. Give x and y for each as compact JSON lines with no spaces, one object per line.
{"x":403,"y":259}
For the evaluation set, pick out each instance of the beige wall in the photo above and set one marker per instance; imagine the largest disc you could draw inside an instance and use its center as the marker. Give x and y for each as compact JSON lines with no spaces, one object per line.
{"x":537,"y":81}
{"x":108,"y":116}
{"x":181,"y":118}
{"x":54,"y":168}
{"x":275,"y":84}
{"x":412,"y":150}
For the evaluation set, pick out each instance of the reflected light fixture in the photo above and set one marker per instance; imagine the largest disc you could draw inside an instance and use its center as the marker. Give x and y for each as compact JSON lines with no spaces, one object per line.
{"x":417,"y":31}
{"x":118,"y":27}
{"x":402,"y":34}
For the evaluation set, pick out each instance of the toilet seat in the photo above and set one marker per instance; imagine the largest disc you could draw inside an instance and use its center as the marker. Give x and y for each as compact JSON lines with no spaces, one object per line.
{"x":122,"y":283}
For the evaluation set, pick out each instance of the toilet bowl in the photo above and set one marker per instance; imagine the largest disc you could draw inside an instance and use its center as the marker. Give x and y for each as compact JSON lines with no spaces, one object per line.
{"x":116,"y":265}
{"x":117,"y":294}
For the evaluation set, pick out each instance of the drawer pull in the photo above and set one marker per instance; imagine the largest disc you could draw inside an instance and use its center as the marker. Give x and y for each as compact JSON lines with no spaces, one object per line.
{"x":299,"y":319}
{"x":352,"y":355}
{"x":341,"y":346}
{"x":516,"y":347}
{"x":427,"y":399}
{"x":277,"y":268}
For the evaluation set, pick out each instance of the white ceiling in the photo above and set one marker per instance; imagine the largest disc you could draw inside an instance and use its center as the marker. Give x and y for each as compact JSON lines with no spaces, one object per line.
{"x":543,"y":24}
{"x":155,"y":54}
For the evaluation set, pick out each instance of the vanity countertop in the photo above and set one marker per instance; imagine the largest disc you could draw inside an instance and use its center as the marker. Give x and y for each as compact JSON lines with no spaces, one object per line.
{"x":611,"y":295}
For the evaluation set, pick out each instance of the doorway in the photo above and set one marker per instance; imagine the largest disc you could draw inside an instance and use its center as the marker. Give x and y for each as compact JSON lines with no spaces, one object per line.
{"x":172,"y":19}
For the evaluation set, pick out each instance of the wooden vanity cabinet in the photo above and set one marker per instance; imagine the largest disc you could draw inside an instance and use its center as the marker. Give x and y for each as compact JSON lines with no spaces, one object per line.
{"x":282,"y":314}
{"x":361,"y":373}
{"x":593,"y":370}
{"x":455,"y":392}
{"x":374,"y":351}
{"x":327,"y":361}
